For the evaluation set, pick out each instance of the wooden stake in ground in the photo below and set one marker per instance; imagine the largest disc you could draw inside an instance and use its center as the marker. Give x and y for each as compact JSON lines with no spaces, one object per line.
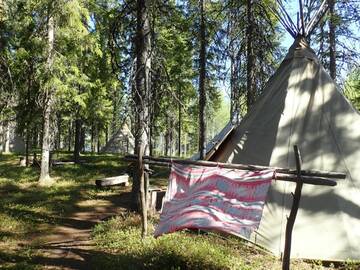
{"x":294,"y":208}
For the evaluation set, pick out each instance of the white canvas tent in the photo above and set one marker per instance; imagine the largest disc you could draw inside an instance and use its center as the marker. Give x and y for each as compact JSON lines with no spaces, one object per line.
{"x":121,"y":141}
{"x":301,"y":105}
{"x":10,"y":141}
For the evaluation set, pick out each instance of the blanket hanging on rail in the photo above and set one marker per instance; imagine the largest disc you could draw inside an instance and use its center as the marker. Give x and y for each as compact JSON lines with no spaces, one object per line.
{"x":214,"y":198}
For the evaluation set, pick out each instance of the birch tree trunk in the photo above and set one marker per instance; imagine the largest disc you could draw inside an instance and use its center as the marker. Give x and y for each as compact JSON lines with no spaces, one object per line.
{"x":45,"y":149}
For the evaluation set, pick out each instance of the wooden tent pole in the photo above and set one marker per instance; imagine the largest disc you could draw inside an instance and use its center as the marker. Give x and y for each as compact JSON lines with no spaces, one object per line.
{"x":294,"y":209}
{"x":316,"y":18}
{"x":302,"y":17}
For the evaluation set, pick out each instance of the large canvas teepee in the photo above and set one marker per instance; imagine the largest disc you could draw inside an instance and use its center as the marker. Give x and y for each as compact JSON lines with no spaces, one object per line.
{"x":301,"y":105}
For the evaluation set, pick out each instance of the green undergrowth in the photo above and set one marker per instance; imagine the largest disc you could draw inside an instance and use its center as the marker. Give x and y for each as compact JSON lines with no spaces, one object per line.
{"x":122,"y":247}
{"x":121,"y":239}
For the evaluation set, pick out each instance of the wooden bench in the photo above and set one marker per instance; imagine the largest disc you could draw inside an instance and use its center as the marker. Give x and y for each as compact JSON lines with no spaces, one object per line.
{"x":113,"y":181}
{"x":59,"y":162}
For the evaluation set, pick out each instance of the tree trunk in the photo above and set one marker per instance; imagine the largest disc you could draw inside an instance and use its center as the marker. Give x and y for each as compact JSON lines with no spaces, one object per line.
{"x":70,"y":128}
{"x":35,"y":137}
{"x":6,"y":137}
{"x":77,"y":146}
{"x":250,"y":67}
{"x":332,"y":39}
{"x":235,"y":91}
{"x":151,"y":142}
{"x":106,"y":134}
{"x":27,"y":142}
{"x":151,"y":130}
{"x":167,"y":143}
{"x":58,"y":137}
{"x":45,"y":149}
{"x":202,"y":76}
{"x":98,"y":143}
{"x":171,"y":139}
{"x":234,"y":65}
{"x":185,"y":145}
{"x":92,"y":138}
{"x":1,"y":137}
{"x":82,"y":139}
{"x":179,"y":127}
{"x":141,"y":96}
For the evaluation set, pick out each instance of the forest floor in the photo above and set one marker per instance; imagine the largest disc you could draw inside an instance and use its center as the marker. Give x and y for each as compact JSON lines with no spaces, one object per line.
{"x":75,"y":225}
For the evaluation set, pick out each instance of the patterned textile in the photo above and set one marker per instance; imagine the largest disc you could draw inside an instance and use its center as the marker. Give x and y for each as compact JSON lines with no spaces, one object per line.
{"x":213,"y":198}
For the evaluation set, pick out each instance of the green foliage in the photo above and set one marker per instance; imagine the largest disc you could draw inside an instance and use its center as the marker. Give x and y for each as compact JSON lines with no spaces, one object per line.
{"x":352,"y":88}
{"x":220,"y":119}
{"x":173,"y":76}
{"x":92,"y":76}
{"x":345,"y":20}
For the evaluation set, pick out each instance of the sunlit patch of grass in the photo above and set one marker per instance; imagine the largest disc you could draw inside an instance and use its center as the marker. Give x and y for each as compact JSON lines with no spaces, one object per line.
{"x":18,"y":259}
{"x":11,"y":227}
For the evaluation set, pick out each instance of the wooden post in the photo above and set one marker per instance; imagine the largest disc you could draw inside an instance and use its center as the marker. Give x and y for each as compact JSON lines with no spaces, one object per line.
{"x":294,"y":208}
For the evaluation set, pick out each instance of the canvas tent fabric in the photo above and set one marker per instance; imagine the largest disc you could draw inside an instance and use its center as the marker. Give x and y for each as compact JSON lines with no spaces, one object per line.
{"x":10,"y":140}
{"x":121,"y":142}
{"x":213,"y":145}
{"x":301,"y":105}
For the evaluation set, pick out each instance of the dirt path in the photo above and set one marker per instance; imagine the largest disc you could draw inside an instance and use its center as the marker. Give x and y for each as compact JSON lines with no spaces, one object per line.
{"x":69,"y":246}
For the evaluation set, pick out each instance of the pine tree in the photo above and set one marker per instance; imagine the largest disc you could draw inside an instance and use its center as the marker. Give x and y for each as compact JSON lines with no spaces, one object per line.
{"x":142,"y":86}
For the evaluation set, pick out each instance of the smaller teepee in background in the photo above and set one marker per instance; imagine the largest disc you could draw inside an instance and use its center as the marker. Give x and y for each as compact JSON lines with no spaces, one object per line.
{"x":121,"y":142}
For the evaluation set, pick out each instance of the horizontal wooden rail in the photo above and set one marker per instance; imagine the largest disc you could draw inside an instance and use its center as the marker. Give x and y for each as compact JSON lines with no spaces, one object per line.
{"x":281,"y":174}
{"x":335,"y":175}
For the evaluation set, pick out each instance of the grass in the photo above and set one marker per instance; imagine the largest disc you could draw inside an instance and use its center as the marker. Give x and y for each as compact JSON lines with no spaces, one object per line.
{"x":181,"y":250}
{"x":28,"y":213}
